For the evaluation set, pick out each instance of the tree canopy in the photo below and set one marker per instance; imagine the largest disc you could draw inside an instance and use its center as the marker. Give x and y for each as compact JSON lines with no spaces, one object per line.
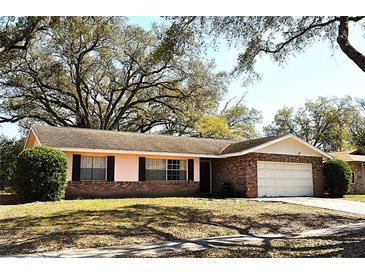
{"x":234,"y":121}
{"x":278,"y":36}
{"x":9,"y":151}
{"x":357,"y":125}
{"x":101,"y":72}
{"x":326,"y":123}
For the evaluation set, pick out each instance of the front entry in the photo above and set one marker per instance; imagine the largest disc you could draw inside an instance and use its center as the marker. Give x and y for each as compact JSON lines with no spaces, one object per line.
{"x":205,"y":176}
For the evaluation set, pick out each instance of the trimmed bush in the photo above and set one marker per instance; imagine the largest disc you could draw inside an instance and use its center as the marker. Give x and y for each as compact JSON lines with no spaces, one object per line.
{"x":227,"y":190}
{"x":41,"y":174}
{"x":338,"y":176}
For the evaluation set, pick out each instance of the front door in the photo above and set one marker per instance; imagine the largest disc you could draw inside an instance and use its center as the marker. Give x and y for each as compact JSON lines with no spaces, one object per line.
{"x":205,"y":176}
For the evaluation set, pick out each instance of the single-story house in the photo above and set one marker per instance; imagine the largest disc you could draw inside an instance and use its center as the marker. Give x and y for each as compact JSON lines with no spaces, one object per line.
{"x":105,"y":163}
{"x":356,"y":160}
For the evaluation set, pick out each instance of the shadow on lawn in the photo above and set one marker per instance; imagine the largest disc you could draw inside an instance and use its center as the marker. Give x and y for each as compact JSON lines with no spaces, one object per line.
{"x":345,"y":245}
{"x":143,"y":223}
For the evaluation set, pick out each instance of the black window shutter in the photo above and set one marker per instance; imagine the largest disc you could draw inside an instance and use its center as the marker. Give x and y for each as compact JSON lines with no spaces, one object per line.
{"x":142,"y":169}
{"x":191,"y":170}
{"x":110,"y":168}
{"x":76,"y":161}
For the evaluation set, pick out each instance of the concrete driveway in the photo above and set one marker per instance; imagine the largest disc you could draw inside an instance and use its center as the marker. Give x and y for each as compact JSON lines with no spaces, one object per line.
{"x":328,"y":203}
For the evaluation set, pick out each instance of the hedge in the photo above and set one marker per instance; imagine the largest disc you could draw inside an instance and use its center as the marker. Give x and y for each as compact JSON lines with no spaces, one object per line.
{"x":338,"y":176}
{"x":41,"y":174}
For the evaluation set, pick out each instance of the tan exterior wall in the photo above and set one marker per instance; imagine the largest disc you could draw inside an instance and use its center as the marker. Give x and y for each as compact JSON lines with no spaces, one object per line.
{"x":289,"y":147}
{"x":32,"y":141}
{"x":126,"y":168}
{"x":241,"y":172}
{"x":356,"y":187}
{"x":126,"y":165}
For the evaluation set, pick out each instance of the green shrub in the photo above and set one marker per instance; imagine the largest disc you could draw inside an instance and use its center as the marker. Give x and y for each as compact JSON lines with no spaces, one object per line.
{"x":41,"y":174}
{"x":9,"y":151}
{"x":227,"y":190}
{"x":338,"y":176}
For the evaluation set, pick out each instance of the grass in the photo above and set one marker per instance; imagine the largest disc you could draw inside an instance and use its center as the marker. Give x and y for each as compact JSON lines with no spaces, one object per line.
{"x":44,"y":226}
{"x":345,"y":245}
{"x":355,"y":197}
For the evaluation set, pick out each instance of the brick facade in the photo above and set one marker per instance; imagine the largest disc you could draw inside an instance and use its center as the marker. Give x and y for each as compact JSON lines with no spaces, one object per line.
{"x":131,"y":189}
{"x":241,"y":172}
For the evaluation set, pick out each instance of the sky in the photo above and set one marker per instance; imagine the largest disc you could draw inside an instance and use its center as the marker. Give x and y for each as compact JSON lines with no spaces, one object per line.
{"x":318,"y":71}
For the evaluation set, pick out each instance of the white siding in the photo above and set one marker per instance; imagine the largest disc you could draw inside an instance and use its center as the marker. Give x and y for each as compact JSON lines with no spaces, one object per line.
{"x":290,"y":147}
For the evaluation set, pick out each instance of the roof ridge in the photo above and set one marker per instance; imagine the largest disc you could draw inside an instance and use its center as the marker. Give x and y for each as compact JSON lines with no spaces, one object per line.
{"x":139,"y":133}
{"x":269,"y":138}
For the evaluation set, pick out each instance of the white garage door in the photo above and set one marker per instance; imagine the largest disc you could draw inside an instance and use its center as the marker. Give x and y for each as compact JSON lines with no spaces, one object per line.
{"x":284,"y":179}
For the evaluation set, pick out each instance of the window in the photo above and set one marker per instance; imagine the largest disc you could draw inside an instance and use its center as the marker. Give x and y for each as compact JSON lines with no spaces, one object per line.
{"x":155,"y":169}
{"x":176,"y":170}
{"x":162,"y":169}
{"x":92,"y":168}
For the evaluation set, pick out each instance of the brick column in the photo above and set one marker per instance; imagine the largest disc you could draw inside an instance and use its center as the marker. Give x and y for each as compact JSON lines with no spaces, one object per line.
{"x":250,"y":187}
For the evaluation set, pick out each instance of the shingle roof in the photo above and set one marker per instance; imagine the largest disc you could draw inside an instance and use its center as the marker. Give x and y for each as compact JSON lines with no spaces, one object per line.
{"x":68,"y":137}
{"x":244,"y":145}
{"x":348,"y":156}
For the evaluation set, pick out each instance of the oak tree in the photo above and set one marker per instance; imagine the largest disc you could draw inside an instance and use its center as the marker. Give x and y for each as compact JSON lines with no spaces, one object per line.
{"x":278,"y":36}
{"x":324,"y":123}
{"x":101,"y":72}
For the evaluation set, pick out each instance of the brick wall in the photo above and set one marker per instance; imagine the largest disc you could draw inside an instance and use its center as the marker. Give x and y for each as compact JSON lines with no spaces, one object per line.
{"x":231,"y":170}
{"x":241,"y":172}
{"x":131,"y":189}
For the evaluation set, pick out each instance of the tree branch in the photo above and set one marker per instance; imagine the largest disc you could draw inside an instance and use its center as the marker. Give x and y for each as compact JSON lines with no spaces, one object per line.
{"x":347,"y":48}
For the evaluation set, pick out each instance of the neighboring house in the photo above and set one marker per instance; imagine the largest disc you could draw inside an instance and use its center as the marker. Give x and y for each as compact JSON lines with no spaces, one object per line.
{"x":120,"y":164}
{"x":356,"y":160}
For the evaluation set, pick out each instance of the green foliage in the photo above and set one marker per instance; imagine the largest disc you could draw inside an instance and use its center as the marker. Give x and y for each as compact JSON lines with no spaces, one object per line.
{"x":357,"y":126}
{"x":101,"y":72}
{"x":212,"y":126}
{"x":242,"y":120}
{"x":41,"y":174}
{"x":338,"y":176}
{"x":233,"y":122}
{"x":9,"y":151}
{"x":280,"y":37}
{"x":324,"y":123}
{"x":227,"y":190}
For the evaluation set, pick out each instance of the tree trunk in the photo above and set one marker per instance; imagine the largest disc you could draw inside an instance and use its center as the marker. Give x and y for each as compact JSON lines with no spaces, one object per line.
{"x":347,"y":48}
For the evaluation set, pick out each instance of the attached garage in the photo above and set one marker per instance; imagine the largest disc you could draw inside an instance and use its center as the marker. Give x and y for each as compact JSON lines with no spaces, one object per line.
{"x":271,"y":167}
{"x":284,"y":179}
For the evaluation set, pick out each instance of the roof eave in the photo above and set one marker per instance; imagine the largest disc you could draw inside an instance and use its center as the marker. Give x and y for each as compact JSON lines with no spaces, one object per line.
{"x":201,"y":155}
{"x":112,"y":151}
{"x":30,"y":131}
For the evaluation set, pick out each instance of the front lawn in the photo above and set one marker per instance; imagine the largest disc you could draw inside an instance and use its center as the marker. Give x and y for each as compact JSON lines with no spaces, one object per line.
{"x":45,"y":226}
{"x":346,"y":245}
{"x":355,"y":197}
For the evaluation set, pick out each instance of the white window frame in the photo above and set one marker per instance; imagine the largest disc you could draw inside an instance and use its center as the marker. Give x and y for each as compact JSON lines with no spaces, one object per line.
{"x":106,"y":167}
{"x":167,"y":169}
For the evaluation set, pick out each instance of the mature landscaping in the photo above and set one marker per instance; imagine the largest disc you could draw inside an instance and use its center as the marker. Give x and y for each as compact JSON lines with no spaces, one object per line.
{"x":35,"y":227}
{"x":108,"y":73}
{"x":41,"y":174}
